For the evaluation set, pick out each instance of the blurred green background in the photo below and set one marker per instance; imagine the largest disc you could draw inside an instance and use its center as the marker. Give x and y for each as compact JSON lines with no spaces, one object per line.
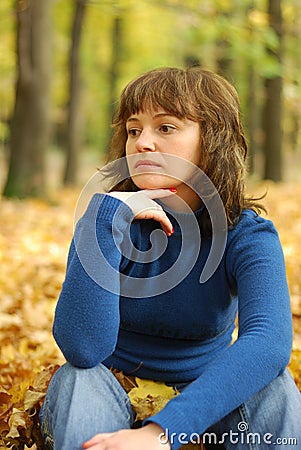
{"x":63,"y":64}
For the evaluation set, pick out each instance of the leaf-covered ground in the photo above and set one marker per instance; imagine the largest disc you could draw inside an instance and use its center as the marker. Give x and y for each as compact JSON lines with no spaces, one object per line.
{"x":34,"y":240}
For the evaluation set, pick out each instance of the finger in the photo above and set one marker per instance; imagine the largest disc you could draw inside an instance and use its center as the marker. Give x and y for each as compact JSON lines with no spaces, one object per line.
{"x":98,"y":438}
{"x":159,"y":216}
{"x":159,"y":193}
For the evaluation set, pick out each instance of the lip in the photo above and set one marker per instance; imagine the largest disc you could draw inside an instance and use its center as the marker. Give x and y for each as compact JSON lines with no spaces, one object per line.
{"x":146,"y":163}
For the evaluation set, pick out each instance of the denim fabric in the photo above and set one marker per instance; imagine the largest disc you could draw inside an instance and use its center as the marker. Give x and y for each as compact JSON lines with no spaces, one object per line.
{"x":271,"y":419}
{"x":83,"y":402}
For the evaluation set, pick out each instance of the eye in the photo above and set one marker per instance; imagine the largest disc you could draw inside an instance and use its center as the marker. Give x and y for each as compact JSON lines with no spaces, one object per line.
{"x":167,"y":129}
{"x":133,"y":132}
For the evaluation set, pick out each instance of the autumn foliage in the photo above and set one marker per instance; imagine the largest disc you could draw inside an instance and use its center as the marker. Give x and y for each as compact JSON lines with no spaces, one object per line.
{"x":34,"y":241}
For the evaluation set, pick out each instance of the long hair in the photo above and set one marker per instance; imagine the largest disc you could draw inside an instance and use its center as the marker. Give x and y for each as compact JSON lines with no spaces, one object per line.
{"x":204,"y":97}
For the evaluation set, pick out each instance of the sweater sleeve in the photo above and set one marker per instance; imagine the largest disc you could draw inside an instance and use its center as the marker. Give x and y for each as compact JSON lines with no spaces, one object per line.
{"x":87,"y":313}
{"x":255,"y":267}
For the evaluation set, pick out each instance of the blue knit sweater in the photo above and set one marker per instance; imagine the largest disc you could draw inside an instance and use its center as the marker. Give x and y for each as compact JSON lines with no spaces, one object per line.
{"x":183,"y":334}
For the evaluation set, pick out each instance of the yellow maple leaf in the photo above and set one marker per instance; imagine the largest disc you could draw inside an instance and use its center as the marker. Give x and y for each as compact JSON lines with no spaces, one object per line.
{"x":17,"y":419}
{"x":149,"y":397}
{"x":18,"y":391}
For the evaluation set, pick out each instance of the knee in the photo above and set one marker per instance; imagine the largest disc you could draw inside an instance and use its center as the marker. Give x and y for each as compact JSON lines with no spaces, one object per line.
{"x":65,"y":374}
{"x":68,"y":382}
{"x":68,"y":374}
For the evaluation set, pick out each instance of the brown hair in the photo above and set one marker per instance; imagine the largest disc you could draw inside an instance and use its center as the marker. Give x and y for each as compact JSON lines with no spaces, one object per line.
{"x":204,"y":97}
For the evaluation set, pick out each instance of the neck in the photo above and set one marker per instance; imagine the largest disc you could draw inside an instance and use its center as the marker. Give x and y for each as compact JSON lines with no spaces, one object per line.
{"x":184,"y":198}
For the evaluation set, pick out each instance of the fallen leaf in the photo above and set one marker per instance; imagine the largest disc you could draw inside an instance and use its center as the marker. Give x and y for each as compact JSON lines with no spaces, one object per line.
{"x":149,"y":397}
{"x":34,"y":241}
{"x":17,"y":419}
{"x":126,"y":381}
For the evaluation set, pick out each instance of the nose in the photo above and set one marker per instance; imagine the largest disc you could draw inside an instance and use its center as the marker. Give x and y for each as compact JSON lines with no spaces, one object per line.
{"x":145,"y":142}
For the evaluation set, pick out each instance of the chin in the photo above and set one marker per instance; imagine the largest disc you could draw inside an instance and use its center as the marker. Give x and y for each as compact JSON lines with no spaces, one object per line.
{"x":153,"y":182}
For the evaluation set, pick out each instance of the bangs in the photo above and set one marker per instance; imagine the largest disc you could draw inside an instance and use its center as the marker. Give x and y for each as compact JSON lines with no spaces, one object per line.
{"x":155,"y":90}
{"x":203,"y":97}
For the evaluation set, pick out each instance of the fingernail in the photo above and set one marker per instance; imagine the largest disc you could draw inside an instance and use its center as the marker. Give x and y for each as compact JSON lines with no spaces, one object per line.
{"x":172,"y":231}
{"x":173,"y":189}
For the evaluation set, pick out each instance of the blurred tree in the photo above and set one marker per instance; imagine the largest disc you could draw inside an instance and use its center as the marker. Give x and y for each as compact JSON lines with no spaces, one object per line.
{"x":114,"y":69}
{"x":29,"y":133}
{"x":114,"y":74}
{"x":75,"y":116}
{"x":253,"y":104}
{"x":191,"y":61}
{"x":223,"y":44}
{"x":7,"y":67}
{"x":134,"y":41}
{"x":292,"y":76}
{"x":253,"y":114}
{"x":272,"y":119}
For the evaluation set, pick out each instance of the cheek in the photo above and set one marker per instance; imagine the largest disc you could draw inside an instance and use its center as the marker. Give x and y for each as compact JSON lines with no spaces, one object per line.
{"x":190,"y":148}
{"x":192,"y":155}
{"x":127,"y":147}
{"x":196,"y":155}
{"x":130,"y":147}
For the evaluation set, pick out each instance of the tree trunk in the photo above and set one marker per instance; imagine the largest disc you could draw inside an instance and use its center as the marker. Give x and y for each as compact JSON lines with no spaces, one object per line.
{"x":29,"y":135}
{"x":253,"y":106}
{"x":75,"y":118}
{"x":223,"y":61}
{"x":116,"y":56}
{"x":223,"y":47}
{"x":114,"y":72}
{"x":273,"y":105}
{"x":192,"y":61}
{"x":252,"y":119}
{"x":294,"y":132}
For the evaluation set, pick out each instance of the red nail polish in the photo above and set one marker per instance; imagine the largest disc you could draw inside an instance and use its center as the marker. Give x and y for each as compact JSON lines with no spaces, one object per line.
{"x":169,"y":233}
{"x":173,"y":189}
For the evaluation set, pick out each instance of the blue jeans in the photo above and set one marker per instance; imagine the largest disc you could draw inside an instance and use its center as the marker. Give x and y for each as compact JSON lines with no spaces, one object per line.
{"x":83,"y":402}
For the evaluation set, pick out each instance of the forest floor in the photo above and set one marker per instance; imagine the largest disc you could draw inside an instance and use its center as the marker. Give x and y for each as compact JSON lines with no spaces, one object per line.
{"x":34,"y":241}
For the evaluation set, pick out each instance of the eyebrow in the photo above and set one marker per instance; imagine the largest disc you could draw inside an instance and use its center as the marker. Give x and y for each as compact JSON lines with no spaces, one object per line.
{"x":163,"y":114}
{"x":132,"y":119}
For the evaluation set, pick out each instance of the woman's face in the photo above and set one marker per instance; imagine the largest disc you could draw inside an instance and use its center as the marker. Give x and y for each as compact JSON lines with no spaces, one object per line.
{"x":154,"y":138}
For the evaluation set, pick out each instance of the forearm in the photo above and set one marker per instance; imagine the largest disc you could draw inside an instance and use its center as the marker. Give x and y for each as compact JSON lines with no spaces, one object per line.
{"x":87,"y":314}
{"x":256,"y":269}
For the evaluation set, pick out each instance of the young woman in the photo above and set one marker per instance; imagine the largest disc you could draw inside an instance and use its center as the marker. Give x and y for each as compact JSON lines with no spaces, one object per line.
{"x":176,"y":132}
